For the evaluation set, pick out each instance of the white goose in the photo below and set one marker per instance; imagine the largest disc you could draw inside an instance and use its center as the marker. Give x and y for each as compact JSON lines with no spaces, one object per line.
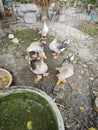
{"x":44,"y":30}
{"x":36,"y":46}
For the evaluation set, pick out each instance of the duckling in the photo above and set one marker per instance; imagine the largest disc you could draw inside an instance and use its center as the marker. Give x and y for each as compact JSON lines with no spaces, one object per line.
{"x":44,"y":30}
{"x":66,"y":70}
{"x":38,"y":67}
{"x":57,"y":47}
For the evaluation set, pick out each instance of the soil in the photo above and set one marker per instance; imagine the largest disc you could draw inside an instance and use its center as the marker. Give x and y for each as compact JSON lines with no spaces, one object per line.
{"x":75,"y":98}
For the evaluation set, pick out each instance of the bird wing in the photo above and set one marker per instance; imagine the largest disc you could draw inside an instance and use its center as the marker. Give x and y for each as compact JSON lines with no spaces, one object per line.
{"x":35,"y":46}
{"x":38,"y":67}
{"x":62,"y":45}
{"x":54,"y":46}
{"x":66,"y":70}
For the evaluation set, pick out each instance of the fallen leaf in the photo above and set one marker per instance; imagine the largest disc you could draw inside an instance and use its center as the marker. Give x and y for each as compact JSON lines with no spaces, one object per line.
{"x":36,"y":81}
{"x":29,"y":125}
{"x":75,"y":61}
{"x":81,"y":108}
{"x":92,"y":128}
{"x":91,"y":78}
{"x":68,"y":125}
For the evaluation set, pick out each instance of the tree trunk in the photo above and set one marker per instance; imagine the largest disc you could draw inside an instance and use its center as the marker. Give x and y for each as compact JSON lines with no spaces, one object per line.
{"x":44,"y":4}
{"x":1,"y":6}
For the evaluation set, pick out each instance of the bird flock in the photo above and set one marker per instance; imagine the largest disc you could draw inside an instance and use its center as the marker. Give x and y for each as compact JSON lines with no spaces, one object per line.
{"x":35,"y":56}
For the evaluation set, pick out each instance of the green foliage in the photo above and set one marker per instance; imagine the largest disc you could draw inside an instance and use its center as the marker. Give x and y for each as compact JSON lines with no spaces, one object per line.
{"x":26,"y":36}
{"x":91,"y":29}
{"x":91,"y":1}
{"x":88,"y":1}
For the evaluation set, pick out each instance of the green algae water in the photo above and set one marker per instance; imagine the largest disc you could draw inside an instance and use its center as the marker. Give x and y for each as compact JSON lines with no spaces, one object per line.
{"x":26,"y":111}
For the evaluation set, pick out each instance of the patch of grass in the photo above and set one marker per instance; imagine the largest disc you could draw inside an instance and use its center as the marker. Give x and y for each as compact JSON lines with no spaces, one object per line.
{"x":91,"y":29}
{"x":49,"y":38}
{"x":27,"y":36}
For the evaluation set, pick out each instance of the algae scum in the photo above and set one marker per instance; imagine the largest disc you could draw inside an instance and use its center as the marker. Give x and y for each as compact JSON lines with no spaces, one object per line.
{"x":25,"y":111}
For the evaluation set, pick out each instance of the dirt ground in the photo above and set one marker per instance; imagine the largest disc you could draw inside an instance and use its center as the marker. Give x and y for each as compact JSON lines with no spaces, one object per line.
{"x":75,"y":98}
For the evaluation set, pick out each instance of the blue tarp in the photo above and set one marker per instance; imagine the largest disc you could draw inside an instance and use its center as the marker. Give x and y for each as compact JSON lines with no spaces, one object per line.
{"x":9,"y":1}
{"x":93,"y":16}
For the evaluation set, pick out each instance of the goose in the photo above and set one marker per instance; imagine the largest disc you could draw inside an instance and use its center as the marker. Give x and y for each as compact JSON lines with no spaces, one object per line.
{"x":36,"y":46}
{"x":57,"y":47}
{"x":38,"y":67}
{"x":44,"y":30}
{"x":66,"y":70}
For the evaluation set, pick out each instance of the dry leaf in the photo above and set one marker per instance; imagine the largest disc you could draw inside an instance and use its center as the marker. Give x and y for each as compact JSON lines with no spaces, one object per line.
{"x":75,"y":61}
{"x":92,"y":128}
{"x":91,"y":78}
{"x":68,"y":125}
{"x":29,"y":125}
{"x":81,"y":108}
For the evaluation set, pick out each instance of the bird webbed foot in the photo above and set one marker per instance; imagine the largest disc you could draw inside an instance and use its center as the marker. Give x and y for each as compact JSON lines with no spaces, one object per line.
{"x":55,"y":55}
{"x":46,"y":74}
{"x":65,"y":81}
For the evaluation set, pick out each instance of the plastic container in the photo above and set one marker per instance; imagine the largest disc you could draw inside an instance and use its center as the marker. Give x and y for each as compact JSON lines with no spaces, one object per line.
{"x":5,"y":78}
{"x":18,"y":110}
{"x":93,"y":16}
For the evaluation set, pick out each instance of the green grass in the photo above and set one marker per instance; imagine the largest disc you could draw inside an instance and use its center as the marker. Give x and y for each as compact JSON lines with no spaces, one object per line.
{"x":27,"y":36}
{"x":91,"y":29}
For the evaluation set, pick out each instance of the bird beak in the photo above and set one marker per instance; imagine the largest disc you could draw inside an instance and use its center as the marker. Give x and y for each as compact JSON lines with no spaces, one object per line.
{"x":44,"y":55}
{"x":58,"y":82}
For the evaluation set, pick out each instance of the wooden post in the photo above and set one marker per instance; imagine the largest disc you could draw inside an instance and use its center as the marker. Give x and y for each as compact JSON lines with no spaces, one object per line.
{"x":5,"y":21}
{"x":2,"y":7}
{"x":44,"y":4}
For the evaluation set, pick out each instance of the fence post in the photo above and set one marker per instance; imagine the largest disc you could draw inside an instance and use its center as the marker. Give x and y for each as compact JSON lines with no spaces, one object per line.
{"x":2,"y":7}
